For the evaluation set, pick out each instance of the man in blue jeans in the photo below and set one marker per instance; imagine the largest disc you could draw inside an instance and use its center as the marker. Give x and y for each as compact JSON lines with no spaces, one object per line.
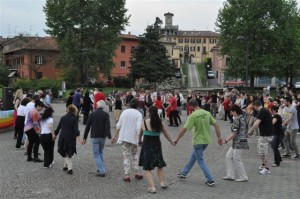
{"x":99,"y":123}
{"x":199,"y":121}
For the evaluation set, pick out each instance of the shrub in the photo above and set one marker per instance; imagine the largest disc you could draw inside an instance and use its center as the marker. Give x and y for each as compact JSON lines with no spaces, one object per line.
{"x":122,"y":82}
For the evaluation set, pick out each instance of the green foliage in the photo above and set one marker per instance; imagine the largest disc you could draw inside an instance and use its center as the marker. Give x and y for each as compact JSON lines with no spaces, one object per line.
{"x":4,"y":72}
{"x":99,"y":84}
{"x":35,"y":85}
{"x":86,"y":31}
{"x":122,"y":82}
{"x":149,"y":59}
{"x":202,"y":74}
{"x":270,"y":28}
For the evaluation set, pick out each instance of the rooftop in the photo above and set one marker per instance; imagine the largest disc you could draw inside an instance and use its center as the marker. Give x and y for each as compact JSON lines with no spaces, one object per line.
{"x":198,"y":33}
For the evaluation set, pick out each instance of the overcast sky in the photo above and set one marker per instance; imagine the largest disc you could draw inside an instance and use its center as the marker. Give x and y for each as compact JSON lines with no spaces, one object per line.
{"x":27,"y":16}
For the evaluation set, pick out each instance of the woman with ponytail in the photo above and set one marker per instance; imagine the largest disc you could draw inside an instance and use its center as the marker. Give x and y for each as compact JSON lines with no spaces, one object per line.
{"x":151,"y":152}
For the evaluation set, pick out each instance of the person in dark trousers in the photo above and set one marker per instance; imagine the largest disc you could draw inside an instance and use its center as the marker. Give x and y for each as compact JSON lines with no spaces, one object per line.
{"x":68,"y":130}
{"x":32,"y":130}
{"x":278,"y":135}
{"x":173,"y":107}
{"x":47,"y":136}
{"x":20,"y":122}
{"x":70,"y":99}
{"x":86,"y":107}
{"x":99,"y":124}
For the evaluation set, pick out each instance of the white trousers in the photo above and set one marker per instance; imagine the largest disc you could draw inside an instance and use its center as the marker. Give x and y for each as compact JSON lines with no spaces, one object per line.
{"x":68,"y":163}
{"x":234,"y":164}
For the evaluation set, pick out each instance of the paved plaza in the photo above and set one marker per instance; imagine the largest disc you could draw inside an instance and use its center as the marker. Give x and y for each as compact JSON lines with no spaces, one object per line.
{"x":20,"y":179}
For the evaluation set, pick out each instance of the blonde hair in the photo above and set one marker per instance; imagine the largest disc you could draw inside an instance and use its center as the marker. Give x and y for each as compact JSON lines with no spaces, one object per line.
{"x":72,"y":109}
{"x":19,"y":95}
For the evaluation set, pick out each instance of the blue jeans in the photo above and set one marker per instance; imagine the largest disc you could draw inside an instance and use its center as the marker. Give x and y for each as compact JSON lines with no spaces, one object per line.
{"x":98,"y":146}
{"x":198,"y":155}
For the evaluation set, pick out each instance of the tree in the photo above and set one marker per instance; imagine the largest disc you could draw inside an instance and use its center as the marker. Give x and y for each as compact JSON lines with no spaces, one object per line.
{"x":149,"y":60}
{"x":4,"y":72}
{"x":267,"y":27}
{"x":86,"y":31}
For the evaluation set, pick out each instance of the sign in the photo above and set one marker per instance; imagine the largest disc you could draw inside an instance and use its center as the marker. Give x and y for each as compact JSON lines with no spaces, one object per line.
{"x":6,"y":118}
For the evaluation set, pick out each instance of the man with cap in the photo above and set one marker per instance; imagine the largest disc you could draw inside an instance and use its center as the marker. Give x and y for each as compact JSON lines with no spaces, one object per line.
{"x":265,"y":125}
{"x":100,"y":129}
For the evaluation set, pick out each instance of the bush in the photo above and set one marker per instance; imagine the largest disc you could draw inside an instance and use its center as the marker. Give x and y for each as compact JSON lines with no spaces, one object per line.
{"x":122,"y":82}
{"x":35,"y":85}
{"x":99,"y":84}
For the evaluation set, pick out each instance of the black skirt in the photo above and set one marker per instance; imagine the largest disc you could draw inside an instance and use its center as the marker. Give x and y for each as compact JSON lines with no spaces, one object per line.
{"x":151,"y":153}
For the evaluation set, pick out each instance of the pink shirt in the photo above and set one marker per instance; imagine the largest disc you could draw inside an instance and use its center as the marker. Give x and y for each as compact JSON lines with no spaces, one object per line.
{"x":173,"y":103}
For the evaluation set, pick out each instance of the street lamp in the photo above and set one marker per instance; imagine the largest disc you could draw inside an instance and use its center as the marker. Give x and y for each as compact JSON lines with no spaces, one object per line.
{"x":245,"y":39}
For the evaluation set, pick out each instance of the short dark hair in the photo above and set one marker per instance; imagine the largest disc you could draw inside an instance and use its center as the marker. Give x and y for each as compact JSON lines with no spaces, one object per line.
{"x":289,"y":99}
{"x":257,"y":103}
{"x":38,"y":102}
{"x":275,"y":108}
{"x":134,"y":103}
{"x":236,"y":108}
{"x":25,"y":101}
{"x":193,"y":103}
{"x":29,"y":95}
{"x":35,"y":97}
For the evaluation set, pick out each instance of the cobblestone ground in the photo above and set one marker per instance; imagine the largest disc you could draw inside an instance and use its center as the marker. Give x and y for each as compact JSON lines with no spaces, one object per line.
{"x":20,"y":179}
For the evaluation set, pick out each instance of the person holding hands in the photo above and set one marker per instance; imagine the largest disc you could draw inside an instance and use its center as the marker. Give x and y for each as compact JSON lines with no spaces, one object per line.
{"x":200,"y":121}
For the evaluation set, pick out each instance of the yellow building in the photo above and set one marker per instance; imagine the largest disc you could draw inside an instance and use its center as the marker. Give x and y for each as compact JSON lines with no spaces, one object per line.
{"x":194,"y":46}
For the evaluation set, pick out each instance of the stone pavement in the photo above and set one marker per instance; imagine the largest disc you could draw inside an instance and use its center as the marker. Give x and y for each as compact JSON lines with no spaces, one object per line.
{"x":20,"y":179}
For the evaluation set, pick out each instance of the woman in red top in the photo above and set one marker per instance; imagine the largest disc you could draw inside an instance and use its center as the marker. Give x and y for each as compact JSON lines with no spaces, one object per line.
{"x":227,"y":105}
{"x":158,"y":104}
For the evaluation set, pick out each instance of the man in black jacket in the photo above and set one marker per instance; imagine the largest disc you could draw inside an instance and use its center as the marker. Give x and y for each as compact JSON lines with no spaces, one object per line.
{"x":100,"y":124}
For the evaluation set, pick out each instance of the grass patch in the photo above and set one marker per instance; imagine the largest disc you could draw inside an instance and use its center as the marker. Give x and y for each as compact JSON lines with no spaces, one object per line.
{"x":202,"y":74}
{"x":185,"y":71}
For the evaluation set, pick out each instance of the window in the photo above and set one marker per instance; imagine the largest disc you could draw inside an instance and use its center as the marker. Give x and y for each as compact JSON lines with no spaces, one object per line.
{"x":180,"y":40}
{"x":204,"y":41}
{"x":39,"y":60}
{"x":211,"y":41}
{"x":39,"y":75}
{"x":123,"y":49}
{"x":180,"y":48}
{"x":186,"y":48}
{"x":132,"y":48}
{"x":198,"y":48}
{"x":199,"y":41}
{"x":192,"y":48}
{"x":204,"y":50}
{"x":123,"y":64}
{"x":192,"y":41}
{"x":186,"y":40}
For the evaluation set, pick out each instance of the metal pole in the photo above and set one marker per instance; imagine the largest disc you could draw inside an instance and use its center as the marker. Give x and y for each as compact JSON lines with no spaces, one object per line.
{"x":246,"y":40}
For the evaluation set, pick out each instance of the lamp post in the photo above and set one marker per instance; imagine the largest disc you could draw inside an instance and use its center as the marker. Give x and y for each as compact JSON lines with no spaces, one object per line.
{"x":245,"y":39}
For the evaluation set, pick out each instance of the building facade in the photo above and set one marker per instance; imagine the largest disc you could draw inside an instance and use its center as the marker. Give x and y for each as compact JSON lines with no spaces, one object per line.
{"x":194,"y":46}
{"x":31,"y":57}
{"x":123,"y":54}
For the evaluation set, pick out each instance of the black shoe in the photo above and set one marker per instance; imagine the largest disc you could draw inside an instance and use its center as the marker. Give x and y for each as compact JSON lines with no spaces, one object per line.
{"x":70,"y":172}
{"x":210,"y":183}
{"x":65,"y":168}
{"x":29,"y":159}
{"x":100,"y":175}
{"x":37,"y":160}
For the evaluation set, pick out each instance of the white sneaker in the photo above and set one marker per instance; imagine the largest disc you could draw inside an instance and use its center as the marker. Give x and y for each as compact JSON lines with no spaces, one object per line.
{"x":241,"y":180}
{"x":264,"y":171}
{"x":228,"y":178}
{"x":261,"y":167}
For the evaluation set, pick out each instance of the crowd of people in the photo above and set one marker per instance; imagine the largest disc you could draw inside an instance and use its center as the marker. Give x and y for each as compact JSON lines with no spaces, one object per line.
{"x":138,"y":117}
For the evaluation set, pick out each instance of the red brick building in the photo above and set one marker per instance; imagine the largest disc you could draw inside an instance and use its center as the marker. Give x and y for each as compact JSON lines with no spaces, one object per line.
{"x":31,"y":57}
{"x":123,"y":54}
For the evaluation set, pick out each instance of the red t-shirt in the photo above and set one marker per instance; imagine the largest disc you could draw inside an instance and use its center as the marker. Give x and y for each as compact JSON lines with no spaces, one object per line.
{"x":226,"y":104}
{"x":173,"y":104}
{"x":158,"y":104}
{"x":98,"y":96}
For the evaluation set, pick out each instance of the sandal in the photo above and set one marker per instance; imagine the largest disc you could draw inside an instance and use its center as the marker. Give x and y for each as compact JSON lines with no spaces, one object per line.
{"x":163,"y":185}
{"x":151,"y":190}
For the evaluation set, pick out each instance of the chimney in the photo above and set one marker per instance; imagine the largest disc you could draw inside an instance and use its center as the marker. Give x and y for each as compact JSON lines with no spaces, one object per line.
{"x":129,"y":33}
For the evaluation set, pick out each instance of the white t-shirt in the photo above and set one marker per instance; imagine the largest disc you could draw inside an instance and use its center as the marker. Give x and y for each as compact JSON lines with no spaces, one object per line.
{"x":47,"y":126}
{"x":29,"y":107}
{"x":21,"y":110}
{"x":130,"y":124}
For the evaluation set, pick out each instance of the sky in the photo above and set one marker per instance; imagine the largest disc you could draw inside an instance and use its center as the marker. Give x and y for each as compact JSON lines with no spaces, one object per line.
{"x":27,"y":16}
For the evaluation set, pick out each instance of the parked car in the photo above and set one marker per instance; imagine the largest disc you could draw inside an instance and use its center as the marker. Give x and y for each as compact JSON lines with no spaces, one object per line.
{"x":297,"y":85}
{"x":210,"y":74}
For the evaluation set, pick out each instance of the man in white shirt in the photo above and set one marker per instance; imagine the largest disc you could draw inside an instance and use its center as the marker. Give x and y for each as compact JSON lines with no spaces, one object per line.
{"x":128,"y":129}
